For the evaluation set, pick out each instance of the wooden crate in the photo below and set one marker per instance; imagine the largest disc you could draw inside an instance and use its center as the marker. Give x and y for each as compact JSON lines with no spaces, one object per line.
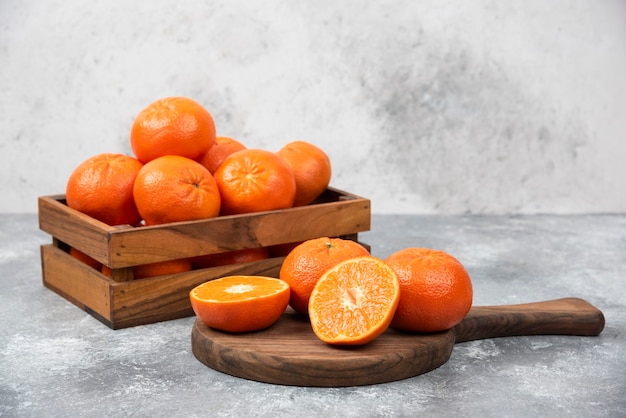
{"x":120,"y":301}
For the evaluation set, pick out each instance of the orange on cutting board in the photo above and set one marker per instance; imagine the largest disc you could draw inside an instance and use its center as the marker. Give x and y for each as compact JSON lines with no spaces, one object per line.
{"x":102,"y":187}
{"x":354,"y":301}
{"x":240,"y":303}
{"x":172,"y":126}
{"x":436,"y":290}
{"x":255,"y":180}
{"x":306,"y":263}
{"x":245,"y":255}
{"x":222,"y":148}
{"x":174,"y":188}
{"x":311,"y":167}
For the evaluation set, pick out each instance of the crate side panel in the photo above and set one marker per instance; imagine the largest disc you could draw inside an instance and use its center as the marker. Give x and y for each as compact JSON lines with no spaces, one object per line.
{"x":76,"y":282}
{"x":74,"y":228}
{"x":188,"y":239}
{"x":331,"y":219}
{"x":166,"y":297}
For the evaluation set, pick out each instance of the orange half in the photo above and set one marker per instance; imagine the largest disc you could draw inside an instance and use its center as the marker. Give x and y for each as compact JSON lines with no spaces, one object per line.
{"x":240,"y":303}
{"x":354,"y":301}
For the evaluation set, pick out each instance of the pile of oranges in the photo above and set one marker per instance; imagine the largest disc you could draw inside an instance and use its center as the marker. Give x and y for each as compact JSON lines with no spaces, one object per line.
{"x":182,"y":171}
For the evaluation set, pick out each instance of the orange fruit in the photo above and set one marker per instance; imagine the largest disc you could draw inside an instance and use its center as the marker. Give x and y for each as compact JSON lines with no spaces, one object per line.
{"x":354,"y":301}
{"x":158,"y":268}
{"x":282,"y":250}
{"x":245,"y":255}
{"x":240,"y":303}
{"x":106,"y":270}
{"x":311,"y":167}
{"x":161,"y":268}
{"x":102,"y":187}
{"x":174,"y":188}
{"x":306,"y":263}
{"x":254,"y":180}
{"x":172,"y":126}
{"x":436,"y":290}
{"x":79,"y":255}
{"x":222,"y":148}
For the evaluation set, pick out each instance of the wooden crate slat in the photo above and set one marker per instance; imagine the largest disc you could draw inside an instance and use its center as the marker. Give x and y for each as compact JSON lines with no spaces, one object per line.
{"x":74,"y":228}
{"x":75,"y":281}
{"x":188,"y":239}
{"x":335,"y":213}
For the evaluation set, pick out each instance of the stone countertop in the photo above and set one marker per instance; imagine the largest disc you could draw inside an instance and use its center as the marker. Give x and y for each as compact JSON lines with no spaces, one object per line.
{"x":56,"y":360}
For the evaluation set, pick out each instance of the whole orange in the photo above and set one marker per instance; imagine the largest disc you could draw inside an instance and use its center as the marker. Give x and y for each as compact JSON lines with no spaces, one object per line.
{"x":174,"y":188}
{"x":255,"y":180}
{"x":306,"y":263}
{"x":311,"y":167}
{"x":102,"y":187}
{"x":435,"y":290}
{"x":222,"y":148}
{"x":172,"y":126}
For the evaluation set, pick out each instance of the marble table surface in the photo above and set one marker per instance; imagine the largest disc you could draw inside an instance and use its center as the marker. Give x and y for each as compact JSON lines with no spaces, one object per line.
{"x":57,"y":360}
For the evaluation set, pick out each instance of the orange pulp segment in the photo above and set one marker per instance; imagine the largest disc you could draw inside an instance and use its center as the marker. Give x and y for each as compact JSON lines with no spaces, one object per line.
{"x":354,"y":301}
{"x":240,"y":303}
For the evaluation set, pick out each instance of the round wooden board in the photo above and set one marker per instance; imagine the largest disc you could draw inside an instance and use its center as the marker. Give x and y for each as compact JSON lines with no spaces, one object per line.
{"x":289,"y":353}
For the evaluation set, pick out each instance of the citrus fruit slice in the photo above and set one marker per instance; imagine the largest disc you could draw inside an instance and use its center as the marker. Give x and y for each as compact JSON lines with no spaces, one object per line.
{"x":354,"y":301}
{"x":240,"y":303}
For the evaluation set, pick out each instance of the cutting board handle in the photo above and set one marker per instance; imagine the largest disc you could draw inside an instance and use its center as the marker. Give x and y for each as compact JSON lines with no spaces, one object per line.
{"x":568,"y":316}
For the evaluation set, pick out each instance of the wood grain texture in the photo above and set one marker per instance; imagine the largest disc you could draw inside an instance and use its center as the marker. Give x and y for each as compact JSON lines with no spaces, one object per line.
{"x":73,"y":227}
{"x":567,"y":316}
{"x":289,"y":353}
{"x":334,"y":213}
{"x":76,"y":282}
{"x":135,"y":302}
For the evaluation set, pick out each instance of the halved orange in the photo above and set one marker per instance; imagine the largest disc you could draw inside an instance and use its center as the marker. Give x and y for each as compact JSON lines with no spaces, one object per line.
{"x":240,"y":303}
{"x":354,"y":301}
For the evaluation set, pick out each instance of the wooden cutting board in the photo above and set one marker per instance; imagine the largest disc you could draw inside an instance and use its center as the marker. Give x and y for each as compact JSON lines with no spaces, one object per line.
{"x":289,"y":353}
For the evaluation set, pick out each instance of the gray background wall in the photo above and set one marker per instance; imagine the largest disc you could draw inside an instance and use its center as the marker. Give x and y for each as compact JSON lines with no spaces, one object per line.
{"x":423,"y":106}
